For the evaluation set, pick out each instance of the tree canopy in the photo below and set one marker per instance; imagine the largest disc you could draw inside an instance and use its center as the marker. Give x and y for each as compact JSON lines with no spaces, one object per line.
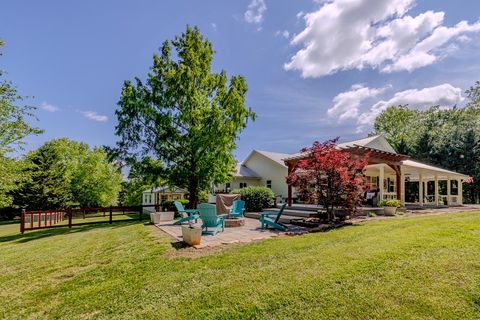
{"x":14,"y":127}
{"x":184,"y":115}
{"x":64,"y":173}
{"x":449,"y":138}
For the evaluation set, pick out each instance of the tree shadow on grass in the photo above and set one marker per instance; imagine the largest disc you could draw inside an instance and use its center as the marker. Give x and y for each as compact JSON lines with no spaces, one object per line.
{"x":44,"y":233}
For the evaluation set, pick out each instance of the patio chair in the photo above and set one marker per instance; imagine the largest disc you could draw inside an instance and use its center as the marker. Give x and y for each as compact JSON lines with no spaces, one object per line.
{"x":237,"y":209}
{"x":208,"y":214}
{"x":190,"y":214}
{"x":270,"y":219}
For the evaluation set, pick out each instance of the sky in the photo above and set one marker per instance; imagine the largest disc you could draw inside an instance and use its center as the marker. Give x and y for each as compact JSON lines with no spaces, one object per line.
{"x":315,"y":69}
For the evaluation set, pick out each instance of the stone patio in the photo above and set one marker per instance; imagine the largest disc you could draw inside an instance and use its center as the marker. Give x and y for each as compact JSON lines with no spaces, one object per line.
{"x":249,"y":232}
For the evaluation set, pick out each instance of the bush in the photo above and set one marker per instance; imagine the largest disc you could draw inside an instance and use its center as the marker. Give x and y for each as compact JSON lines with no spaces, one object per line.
{"x":170,"y":204}
{"x":256,"y":198}
{"x":371,"y":214}
{"x":390,"y":203}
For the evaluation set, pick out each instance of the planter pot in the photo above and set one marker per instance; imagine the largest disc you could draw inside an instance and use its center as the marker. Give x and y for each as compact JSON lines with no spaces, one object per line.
{"x":191,"y":236}
{"x":157,"y":217}
{"x":389,"y":211}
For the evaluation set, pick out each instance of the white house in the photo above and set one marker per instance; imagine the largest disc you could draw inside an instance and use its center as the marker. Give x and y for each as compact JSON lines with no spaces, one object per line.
{"x":157,"y":195}
{"x":260,"y":168}
{"x":395,"y":176}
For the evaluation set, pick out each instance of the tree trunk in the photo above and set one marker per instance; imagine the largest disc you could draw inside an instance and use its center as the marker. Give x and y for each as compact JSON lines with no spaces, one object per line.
{"x":192,"y":194}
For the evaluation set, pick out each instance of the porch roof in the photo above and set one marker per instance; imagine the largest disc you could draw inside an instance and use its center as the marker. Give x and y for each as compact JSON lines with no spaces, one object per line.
{"x":375,"y":155}
{"x":426,"y":168}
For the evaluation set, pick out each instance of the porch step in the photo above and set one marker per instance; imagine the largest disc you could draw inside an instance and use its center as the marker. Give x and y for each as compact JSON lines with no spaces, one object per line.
{"x":283,"y":219}
{"x":299,"y":207}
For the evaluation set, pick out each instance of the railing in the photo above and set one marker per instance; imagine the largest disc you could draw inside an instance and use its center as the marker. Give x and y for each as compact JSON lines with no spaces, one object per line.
{"x":33,"y":220}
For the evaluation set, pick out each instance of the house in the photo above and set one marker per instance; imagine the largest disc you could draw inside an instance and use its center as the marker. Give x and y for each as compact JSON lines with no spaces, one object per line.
{"x":260,"y":168}
{"x":157,"y":195}
{"x":396,"y":176}
{"x":393,"y":175}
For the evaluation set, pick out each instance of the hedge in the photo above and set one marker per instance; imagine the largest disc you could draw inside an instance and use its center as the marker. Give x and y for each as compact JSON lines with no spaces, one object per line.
{"x":256,"y":198}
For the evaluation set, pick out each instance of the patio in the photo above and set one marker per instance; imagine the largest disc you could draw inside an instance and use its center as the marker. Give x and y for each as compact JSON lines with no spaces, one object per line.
{"x":244,"y":234}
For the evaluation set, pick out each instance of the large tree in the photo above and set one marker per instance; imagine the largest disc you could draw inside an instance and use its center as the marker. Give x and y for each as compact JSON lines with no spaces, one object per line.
{"x":64,"y":173}
{"x":14,"y":127}
{"x":449,"y":138}
{"x":185,"y":115}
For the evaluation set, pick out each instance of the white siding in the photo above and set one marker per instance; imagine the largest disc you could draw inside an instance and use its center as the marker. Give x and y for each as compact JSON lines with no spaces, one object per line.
{"x":269,"y":170}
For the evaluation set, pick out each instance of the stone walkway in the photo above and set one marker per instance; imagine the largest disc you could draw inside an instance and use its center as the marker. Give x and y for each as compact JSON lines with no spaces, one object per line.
{"x":249,"y":232}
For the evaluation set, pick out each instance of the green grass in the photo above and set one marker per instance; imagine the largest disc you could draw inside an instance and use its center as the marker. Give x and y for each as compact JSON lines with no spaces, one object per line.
{"x":399,"y":268}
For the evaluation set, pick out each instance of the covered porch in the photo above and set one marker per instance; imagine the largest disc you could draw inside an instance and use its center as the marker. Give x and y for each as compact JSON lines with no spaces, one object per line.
{"x":396,"y":176}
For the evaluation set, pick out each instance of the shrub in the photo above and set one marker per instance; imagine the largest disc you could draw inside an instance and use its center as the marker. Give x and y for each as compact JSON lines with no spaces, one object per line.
{"x":390,"y":203}
{"x":256,"y":198}
{"x":371,"y":214}
{"x":170,"y":206}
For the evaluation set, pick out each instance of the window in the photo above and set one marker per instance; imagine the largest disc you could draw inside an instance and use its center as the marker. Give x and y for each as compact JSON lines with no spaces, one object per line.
{"x":372,"y":182}
{"x":150,"y":198}
{"x":227,"y":187}
{"x":243,"y":185}
{"x":269,"y":184}
{"x":454,"y":187}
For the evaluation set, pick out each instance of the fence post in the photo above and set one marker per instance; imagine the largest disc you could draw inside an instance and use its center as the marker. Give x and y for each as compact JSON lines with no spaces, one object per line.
{"x":69,"y":213}
{"x":22,"y":221}
{"x":140,"y":213}
{"x":111,"y":214}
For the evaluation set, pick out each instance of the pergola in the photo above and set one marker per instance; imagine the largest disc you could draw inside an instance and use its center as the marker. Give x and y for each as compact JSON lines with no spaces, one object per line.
{"x":384,"y":162}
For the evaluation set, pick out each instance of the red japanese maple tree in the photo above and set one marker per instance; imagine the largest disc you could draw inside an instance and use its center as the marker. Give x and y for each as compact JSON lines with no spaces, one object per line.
{"x":330,"y":176}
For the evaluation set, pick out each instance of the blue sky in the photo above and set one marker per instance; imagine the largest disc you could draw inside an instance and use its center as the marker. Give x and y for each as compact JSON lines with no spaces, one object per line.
{"x":315,"y":69}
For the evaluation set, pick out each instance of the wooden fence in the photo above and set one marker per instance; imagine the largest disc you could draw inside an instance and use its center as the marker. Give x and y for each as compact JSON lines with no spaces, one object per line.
{"x":32,"y":220}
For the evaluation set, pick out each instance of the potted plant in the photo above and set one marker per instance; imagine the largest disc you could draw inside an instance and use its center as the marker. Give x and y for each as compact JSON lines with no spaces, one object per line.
{"x":390,"y":206}
{"x":157,"y":217}
{"x":191,"y":234}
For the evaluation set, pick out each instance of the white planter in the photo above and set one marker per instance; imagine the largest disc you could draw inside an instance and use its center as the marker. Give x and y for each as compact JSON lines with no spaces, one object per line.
{"x":157,"y":217}
{"x":390,"y":211}
{"x":192,"y":236}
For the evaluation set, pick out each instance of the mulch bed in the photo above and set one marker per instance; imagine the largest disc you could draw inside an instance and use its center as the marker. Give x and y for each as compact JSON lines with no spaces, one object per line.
{"x":315,"y":225}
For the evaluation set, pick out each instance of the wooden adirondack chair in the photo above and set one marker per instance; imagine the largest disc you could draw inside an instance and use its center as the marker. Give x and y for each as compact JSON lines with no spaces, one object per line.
{"x":270,"y":219}
{"x":191,"y":214}
{"x":237,"y":209}
{"x":208,"y":214}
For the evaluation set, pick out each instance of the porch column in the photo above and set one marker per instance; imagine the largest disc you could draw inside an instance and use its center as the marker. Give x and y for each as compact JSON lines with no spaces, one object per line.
{"x":460,"y":192}
{"x":381,"y":177}
{"x":289,"y":187}
{"x":398,"y":177}
{"x":436,"y":190}
{"x":448,"y":190}
{"x":420,"y":188}
{"x":402,"y":188}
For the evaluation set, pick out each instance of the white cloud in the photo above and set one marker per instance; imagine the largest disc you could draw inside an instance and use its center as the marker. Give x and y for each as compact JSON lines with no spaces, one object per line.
{"x":354,"y":34}
{"x":346,"y":104}
{"x":255,"y":12}
{"x":48,"y":107}
{"x":444,"y":95}
{"x":352,"y":104}
{"x":214,"y":26}
{"x":92,"y":115}
{"x":285,"y":34}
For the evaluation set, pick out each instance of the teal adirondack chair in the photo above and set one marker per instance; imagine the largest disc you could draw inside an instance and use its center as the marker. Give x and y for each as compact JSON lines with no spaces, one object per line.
{"x":208,"y":214}
{"x":191,"y":214}
{"x":237,"y":209}
{"x":270,"y":219}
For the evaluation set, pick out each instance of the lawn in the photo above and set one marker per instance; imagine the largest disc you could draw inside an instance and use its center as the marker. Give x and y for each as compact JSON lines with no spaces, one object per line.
{"x":401,"y":268}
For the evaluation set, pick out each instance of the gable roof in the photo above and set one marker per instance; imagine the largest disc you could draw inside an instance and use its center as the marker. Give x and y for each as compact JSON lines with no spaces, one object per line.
{"x":166,"y":189}
{"x":243,"y":171}
{"x":276,"y":157}
{"x":378,"y":142}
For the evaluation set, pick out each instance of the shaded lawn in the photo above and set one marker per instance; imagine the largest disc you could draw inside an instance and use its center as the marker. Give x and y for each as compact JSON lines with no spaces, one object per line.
{"x":404,"y":268}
